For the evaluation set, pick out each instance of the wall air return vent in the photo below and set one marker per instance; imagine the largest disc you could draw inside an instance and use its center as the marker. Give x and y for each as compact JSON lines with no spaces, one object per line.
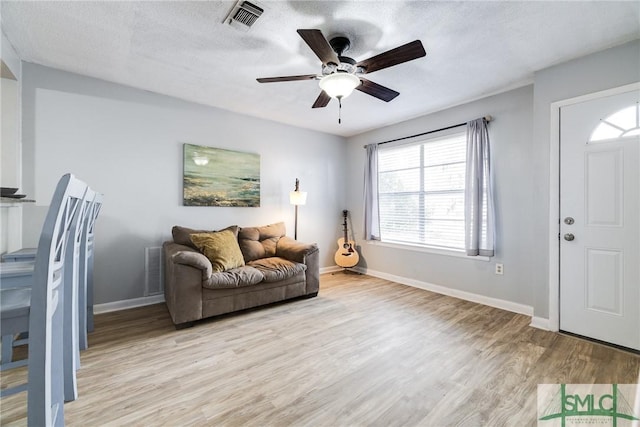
{"x":153,"y":271}
{"x":243,"y":15}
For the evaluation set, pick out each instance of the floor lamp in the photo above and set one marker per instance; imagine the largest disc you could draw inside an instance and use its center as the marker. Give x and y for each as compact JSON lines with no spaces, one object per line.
{"x":297,"y":198}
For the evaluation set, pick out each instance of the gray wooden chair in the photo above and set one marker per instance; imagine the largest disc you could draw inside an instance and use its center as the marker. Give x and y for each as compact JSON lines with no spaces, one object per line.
{"x":18,"y":275}
{"x":72,"y":265}
{"x":44,"y":308}
{"x":25,"y":254}
{"x":86,"y":272}
{"x":73,"y":292}
{"x":16,"y":265}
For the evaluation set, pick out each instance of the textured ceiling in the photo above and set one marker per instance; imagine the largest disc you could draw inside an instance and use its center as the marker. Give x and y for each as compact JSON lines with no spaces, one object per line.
{"x":183,"y":49}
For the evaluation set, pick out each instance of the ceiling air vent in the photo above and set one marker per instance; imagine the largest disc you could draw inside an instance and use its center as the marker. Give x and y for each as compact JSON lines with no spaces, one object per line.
{"x":244,"y":15}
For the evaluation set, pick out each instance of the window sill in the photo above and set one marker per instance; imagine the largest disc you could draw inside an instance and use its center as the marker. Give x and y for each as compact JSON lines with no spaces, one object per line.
{"x":426,"y":249}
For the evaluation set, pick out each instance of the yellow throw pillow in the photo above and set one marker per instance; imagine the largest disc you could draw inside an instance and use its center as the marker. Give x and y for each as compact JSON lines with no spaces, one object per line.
{"x":221,"y":247}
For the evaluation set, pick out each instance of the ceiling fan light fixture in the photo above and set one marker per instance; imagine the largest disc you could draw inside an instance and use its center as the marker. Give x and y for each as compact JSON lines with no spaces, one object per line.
{"x":339,"y":85}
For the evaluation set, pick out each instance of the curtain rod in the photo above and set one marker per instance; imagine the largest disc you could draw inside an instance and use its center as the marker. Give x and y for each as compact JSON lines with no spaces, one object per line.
{"x":487,"y":118}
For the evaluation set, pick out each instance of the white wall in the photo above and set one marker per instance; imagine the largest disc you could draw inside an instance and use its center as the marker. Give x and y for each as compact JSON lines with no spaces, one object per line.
{"x":607,"y":69}
{"x":9,"y":133}
{"x":510,"y":134}
{"x":10,"y":173}
{"x":10,"y":163}
{"x":127,"y":143}
{"x":10,"y":216}
{"x":520,"y":137}
{"x":9,"y":56}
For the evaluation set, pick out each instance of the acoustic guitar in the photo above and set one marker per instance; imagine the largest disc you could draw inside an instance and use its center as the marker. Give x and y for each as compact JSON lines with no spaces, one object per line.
{"x":346,"y":256}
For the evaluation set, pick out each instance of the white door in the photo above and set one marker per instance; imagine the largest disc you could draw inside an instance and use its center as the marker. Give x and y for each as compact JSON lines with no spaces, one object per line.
{"x":600,"y":219}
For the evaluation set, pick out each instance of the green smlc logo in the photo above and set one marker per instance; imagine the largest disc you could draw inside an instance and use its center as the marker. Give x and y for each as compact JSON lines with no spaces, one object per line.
{"x":587,"y":407}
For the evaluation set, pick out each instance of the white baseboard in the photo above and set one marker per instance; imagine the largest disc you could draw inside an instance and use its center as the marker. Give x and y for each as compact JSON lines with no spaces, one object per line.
{"x":536,"y":322}
{"x":540,"y":323}
{"x":467,"y":296}
{"x":128,"y":303}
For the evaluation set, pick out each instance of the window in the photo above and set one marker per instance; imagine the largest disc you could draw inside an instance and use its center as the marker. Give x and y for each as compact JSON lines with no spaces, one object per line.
{"x":421,"y":192}
{"x":624,"y":123}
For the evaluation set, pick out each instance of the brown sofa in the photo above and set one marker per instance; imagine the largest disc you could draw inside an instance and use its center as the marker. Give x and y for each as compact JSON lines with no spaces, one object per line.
{"x":276,"y":268}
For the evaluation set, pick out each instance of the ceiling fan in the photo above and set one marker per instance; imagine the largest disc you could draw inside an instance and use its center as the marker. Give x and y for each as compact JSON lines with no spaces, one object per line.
{"x":341,"y":74}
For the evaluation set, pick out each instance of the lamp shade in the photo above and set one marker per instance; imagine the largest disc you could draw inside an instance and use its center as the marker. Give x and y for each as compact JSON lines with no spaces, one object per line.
{"x":298,"y":197}
{"x":339,"y":85}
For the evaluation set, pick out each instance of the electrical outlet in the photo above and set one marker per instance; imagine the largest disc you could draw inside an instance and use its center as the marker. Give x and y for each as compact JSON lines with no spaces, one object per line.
{"x":499,"y":269}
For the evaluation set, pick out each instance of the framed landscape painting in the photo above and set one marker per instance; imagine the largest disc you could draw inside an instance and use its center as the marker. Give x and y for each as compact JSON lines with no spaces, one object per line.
{"x":217,"y":177}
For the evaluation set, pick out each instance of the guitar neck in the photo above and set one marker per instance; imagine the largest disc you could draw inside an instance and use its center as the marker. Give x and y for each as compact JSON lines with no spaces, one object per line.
{"x":344,"y":227}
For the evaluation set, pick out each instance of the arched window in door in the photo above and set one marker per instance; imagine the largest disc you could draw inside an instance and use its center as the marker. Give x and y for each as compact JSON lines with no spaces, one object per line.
{"x":622,"y":124}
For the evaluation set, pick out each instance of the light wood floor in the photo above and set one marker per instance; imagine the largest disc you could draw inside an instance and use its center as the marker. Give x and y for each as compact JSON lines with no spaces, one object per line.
{"x":364,"y":352}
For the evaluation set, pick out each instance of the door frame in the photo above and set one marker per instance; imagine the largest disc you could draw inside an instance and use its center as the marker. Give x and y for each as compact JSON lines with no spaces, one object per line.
{"x":554,"y":195}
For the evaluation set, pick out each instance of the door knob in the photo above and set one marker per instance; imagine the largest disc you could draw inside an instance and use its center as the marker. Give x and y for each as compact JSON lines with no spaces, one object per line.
{"x":569,"y":237}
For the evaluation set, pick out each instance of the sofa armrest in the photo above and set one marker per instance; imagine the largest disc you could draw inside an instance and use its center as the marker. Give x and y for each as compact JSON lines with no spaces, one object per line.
{"x":306,"y":253}
{"x":294,"y":250}
{"x":183,"y":282}
{"x":194,"y":259}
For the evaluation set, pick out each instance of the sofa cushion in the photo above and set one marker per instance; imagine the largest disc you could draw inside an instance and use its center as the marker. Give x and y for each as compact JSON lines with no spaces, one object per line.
{"x":221,"y":247}
{"x":276,"y":269}
{"x":182,"y":235}
{"x":235,"y":278}
{"x":260,"y":242}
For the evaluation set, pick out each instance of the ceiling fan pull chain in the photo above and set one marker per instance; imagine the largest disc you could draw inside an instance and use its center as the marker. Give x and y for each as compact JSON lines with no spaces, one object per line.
{"x":339,"y":110}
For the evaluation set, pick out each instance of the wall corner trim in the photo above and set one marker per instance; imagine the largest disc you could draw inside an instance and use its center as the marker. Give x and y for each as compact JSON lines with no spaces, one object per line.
{"x":540,"y":323}
{"x":513,"y":307}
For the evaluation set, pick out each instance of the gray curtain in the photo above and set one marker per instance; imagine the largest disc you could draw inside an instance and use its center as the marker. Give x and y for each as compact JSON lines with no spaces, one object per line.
{"x":371,"y":212}
{"x":479,"y":211}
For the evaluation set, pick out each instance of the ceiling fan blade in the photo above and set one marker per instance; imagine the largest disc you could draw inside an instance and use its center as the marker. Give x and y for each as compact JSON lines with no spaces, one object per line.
{"x":286,"y":78}
{"x":393,"y":57}
{"x":376,"y":90}
{"x":319,"y":45}
{"x":322,"y":100}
